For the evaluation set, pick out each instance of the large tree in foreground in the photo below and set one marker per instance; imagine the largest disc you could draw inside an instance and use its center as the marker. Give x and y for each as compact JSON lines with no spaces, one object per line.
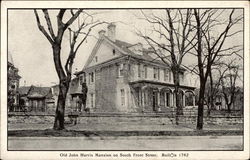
{"x":174,"y":28}
{"x":211,"y":45}
{"x":85,"y":24}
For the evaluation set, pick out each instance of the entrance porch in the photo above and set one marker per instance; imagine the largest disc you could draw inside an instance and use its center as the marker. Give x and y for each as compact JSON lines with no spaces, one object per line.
{"x":154,"y":96}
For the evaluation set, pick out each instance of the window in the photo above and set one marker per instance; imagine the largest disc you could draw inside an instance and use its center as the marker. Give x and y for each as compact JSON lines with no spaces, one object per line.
{"x":139,"y":70}
{"x":84,"y":77}
{"x":166,"y":75}
{"x":145,"y":71}
{"x":122,"y":97}
{"x":96,"y":58}
{"x":81,"y":79}
{"x":169,"y":76}
{"x":113,"y":51}
{"x":91,"y":77}
{"x":156,"y":73}
{"x":121,"y":70}
{"x":158,"y":70}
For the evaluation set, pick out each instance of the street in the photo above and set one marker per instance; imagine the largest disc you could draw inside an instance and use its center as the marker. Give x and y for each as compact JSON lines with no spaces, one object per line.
{"x":127,"y":143}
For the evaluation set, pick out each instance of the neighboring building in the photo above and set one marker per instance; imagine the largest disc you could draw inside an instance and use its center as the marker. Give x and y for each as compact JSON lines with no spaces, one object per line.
{"x":237,"y":104}
{"x":13,"y":85}
{"x":124,"y":77}
{"x":36,"y":99}
{"x":73,"y":96}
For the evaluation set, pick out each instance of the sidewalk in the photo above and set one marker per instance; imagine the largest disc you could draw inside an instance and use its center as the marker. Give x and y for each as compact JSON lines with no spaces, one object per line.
{"x":124,"y":127}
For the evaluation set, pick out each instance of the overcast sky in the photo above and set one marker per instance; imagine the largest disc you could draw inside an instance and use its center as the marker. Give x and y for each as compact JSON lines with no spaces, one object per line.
{"x":32,"y":53}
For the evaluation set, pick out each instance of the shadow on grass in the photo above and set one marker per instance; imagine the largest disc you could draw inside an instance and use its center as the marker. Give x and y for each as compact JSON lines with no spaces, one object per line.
{"x":74,"y":133}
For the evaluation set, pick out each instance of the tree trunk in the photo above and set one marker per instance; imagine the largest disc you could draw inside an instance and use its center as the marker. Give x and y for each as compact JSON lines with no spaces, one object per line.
{"x":63,"y":88}
{"x":200,"y":106}
{"x":60,"y":108}
{"x":179,"y":109}
{"x":229,"y":107}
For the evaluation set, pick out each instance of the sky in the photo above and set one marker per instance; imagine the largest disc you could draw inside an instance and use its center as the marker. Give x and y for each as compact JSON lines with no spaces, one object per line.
{"x":32,"y":53}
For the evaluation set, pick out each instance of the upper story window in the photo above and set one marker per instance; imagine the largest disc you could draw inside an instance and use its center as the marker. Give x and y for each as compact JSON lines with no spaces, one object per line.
{"x":84,"y":77}
{"x":121,"y":70}
{"x":170,"y":76}
{"x":166,"y":75}
{"x":145,"y":71}
{"x":122,"y":97}
{"x":139,"y":70}
{"x":96,"y":59}
{"x":113,"y":51}
{"x":156,"y":73}
{"x":91,"y":77}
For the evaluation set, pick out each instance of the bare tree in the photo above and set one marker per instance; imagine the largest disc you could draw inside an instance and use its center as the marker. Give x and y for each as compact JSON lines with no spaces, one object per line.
{"x":214,"y":83}
{"x":210,"y":93}
{"x":228,"y":83}
{"x":210,"y":47}
{"x":174,"y":27}
{"x":64,"y":73}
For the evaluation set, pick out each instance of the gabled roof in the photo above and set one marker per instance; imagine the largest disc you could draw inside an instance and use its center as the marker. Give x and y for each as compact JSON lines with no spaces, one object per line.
{"x":43,"y":91}
{"x":24,"y":90}
{"x":145,"y":52}
{"x":124,"y":49}
{"x":35,"y":92}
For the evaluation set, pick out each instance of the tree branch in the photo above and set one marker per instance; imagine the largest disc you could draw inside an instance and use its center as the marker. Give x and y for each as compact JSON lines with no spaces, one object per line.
{"x":41,"y":28}
{"x":47,"y":18}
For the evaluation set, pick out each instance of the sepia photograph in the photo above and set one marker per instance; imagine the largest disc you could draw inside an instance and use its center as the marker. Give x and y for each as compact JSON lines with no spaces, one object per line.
{"x":125,"y":79}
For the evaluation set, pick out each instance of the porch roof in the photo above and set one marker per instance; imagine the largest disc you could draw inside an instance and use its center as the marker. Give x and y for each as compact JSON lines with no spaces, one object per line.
{"x":150,"y":83}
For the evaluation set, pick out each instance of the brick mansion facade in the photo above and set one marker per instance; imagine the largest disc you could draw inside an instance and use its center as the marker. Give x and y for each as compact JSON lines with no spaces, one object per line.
{"x":124,"y":77}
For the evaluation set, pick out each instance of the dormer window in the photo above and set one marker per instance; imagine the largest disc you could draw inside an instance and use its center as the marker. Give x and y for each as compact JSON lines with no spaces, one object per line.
{"x":81,"y":79}
{"x":113,"y":51}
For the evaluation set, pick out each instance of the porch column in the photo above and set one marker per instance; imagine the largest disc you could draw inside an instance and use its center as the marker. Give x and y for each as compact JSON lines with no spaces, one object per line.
{"x":139,"y":97}
{"x":158,"y":98}
{"x":184,"y":99}
{"x":174,"y":99}
{"x":142,"y":99}
{"x":193,"y":100}
{"x":165,"y":99}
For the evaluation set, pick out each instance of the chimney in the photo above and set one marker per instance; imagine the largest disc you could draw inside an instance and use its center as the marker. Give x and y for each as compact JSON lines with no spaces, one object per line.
{"x":101,"y":33}
{"x":111,"y":31}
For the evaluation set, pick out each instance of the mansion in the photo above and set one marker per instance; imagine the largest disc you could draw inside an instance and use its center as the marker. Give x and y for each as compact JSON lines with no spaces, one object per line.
{"x":124,"y":77}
